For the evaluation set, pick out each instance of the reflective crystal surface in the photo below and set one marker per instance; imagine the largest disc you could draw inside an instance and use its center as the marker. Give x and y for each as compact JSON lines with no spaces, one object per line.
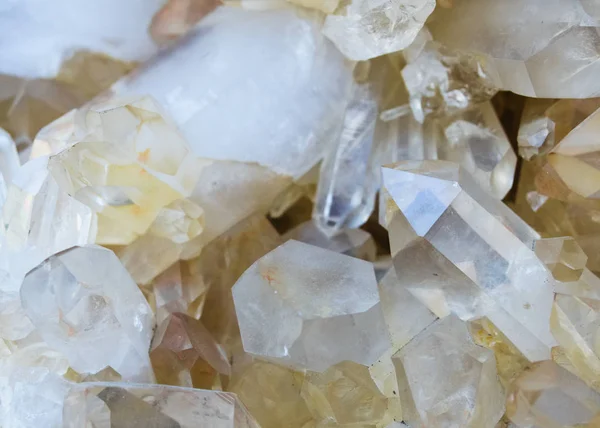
{"x":307,"y":307}
{"x":529,"y":47}
{"x":363,"y":29}
{"x":347,"y":181}
{"x":548,"y":395}
{"x":83,"y":302}
{"x":446,"y":380}
{"x":491,"y":271}
{"x":136,"y":405}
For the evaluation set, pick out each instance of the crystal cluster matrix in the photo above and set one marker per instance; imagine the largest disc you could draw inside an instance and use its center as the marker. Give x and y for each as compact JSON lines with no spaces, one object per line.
{"x":300,"y":214}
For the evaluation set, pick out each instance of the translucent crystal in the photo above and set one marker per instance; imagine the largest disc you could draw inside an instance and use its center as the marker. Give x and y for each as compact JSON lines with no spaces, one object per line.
{"x":444,"y":81}
{"x":220,"y":265}
{"x":185,"y":354}
{"x":147,"y":257}
{"x":572,"y":167}
{"x":476,"y":140}
{"x":9,"y":158}
{"x":530,"y":48}
{"x":316,"y":308}
{"x":40,"y":219}
{"x":209,"y":80}
{"x":117,"y":163}
{"x":536,"y":131}
{"x":353,"y":242}
{"x":510,"y":363}
{"x":404,"y":314}
{"x":491,"y":271}
{"x":33,"y":397}
{"x":229,"y":193}
{"x":344,"y":395}
{"x":548,"y":395}
{"x":130,"y":405}
{"x":84,"y":303}
{"x":348,"y":182}
{"x":446,"y":380}
{"x":362,"y":29}
{"x":272,"y":394}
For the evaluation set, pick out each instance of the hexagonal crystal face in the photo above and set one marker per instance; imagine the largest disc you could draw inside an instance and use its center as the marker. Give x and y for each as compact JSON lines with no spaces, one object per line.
{"x":83,"y":302}
{"x":310,"y":308}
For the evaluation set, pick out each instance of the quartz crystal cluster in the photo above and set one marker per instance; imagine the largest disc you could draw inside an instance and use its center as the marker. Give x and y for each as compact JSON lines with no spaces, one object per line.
{"x":300,"y":214}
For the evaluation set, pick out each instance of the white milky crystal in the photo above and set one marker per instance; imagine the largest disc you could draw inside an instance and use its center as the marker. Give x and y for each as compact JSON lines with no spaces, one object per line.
{"x":84,"y":303}
{"x":446,"y":380}
{"x":38,"y":36}
{"x":136,"y":405}
{"x":366,"y":29}
{"x":490,"y":271}
{"x":9,"y":158}
{"x":32,"y":397}
{"x":310,"y":308}
{"x":272,"y":101}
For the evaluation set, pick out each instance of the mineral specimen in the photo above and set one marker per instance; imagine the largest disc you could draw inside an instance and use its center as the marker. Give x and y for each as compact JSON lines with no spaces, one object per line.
{"x":344,"y":395}
{"x":185,"y":354}
{"x":442,"y":81}
{"x":446,"y":380}
{"x":548,"y":395}
{"x":262,"y":384}
{"x":491,"y":271}
{"x":310,"y":308}
{"x":117,"y":165}
{"x":209,"y":79}
{"x":83,"y":302}
{"x":348,"y":182}
{"x":362,"y":29}
{"x":134,"y":405}
{"x":528,"y":46}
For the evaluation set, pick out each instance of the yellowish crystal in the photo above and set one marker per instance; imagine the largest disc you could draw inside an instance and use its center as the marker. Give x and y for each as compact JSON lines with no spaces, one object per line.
{"x":117,"y":164}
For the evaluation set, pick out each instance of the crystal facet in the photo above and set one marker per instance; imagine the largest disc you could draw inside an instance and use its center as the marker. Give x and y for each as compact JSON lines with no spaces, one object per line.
{"x":310,"y":308}
{"x":491,"y":271}
{"x":83,"y":302}
{"x":446,"y":380}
